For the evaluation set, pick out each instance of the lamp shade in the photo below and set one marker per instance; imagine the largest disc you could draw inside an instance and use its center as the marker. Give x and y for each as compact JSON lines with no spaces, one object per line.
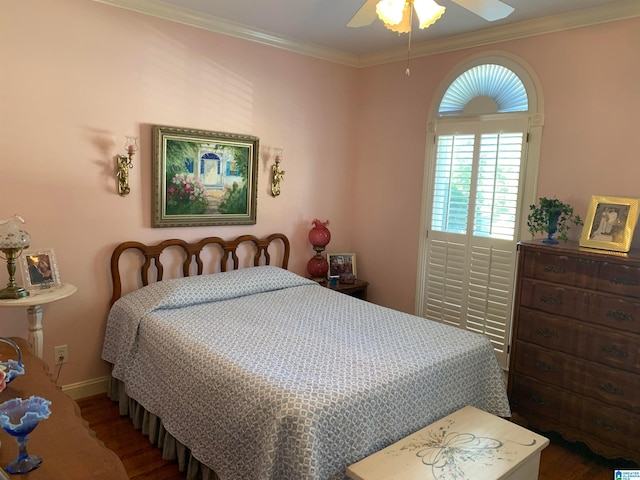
{"x":10,"y":234}
{"x":391,"y":11}
{"x":428,"y":12}
{"x":319,"y":235}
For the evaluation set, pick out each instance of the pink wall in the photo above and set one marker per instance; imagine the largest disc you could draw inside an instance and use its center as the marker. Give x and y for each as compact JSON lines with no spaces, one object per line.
{"x":83,"y":75}
{"x":589,"y":80}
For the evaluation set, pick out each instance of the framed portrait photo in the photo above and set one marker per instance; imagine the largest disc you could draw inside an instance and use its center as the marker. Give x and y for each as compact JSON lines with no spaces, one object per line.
{"x":610,"y":223}
{"x":39,"y":269}
{"x":203,"y":178}
{"x":342,"y":263}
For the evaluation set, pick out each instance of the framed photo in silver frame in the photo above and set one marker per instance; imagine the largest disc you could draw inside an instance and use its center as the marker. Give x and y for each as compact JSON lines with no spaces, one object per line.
{"x":39,"y":269}
{"x":342,"y":264}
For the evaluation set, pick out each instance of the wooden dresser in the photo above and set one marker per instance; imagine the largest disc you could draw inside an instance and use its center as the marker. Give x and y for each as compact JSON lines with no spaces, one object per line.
{"x":575,"y":350}
{"x":69,"y":450}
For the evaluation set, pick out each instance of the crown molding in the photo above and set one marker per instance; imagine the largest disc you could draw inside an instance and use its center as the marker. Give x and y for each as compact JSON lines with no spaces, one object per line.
{"x":621,"y":10}
{"x":227,"y":27}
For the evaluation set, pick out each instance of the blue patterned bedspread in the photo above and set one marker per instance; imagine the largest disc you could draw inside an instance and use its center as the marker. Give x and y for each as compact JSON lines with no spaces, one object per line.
{"x":264,"y":374}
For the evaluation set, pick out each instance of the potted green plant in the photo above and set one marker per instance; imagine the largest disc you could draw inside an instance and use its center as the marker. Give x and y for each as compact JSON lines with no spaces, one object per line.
{"x":552,"y":216}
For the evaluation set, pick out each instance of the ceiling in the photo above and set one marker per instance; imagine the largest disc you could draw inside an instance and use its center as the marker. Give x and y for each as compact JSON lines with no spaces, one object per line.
{"x":318,"y":27}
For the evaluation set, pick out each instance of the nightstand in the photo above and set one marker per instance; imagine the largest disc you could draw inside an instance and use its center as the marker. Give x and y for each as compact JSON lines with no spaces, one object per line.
{"x":357,"y":289}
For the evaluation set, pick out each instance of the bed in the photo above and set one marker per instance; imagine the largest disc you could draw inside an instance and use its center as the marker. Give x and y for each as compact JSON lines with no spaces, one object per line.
{"x":258,"y":373}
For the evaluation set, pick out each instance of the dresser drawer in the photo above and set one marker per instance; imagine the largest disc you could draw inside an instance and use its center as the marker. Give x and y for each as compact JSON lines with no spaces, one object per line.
{"x":615,"y":387}
{"x":605,"y":310}
{"x":619,"y":314}
{"x":603,"y":346}
{"x":563,"y":269}
{"x":551,"y":298}
{"x":619,"y":279}
{"x":614,"y":425}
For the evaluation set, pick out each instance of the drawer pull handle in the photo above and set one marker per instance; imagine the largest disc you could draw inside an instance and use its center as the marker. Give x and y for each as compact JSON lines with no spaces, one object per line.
{"x":550,"y":299}
{"x":554,"y":269}
{"x":609,"y":388}
{"x":615,"y":351}
{"x":606,"y":425}
{"x":540,"y":400}
{"x":630,"y":282}
{"x":619,"y":315}
{"x":544,"y":367}
{"x":545,"y":332}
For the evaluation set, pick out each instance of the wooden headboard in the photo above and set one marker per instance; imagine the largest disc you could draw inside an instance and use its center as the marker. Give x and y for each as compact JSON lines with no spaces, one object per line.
{"x":227,"y":253}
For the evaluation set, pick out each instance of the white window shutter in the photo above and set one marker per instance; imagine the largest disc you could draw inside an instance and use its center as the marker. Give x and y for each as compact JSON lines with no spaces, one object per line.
{"x":471,"y":246}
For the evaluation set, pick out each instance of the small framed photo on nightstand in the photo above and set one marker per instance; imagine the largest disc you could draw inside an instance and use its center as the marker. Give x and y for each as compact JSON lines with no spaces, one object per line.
{"x":39,"y":269}
{"x":342,"y":264}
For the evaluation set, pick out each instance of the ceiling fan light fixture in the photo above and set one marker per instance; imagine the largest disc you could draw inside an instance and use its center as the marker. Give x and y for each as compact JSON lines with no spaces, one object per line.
{"x":391,"y":11}
{"x":404,"y":26}
{"x":396,"y":14}
{"x":428,"y":12}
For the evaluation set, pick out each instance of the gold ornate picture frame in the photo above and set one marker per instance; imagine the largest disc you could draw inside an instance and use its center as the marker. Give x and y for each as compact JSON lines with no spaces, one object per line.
{"x":203,"y":178}
{"x":610,"y":223}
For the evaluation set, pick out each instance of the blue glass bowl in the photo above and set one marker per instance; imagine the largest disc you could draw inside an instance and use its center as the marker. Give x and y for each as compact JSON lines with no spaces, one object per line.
{"x":12,"y":368}
{"x":18,"y":418}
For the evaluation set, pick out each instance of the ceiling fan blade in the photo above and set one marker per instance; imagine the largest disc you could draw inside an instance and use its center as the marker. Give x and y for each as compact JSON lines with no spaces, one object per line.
{"x":365,"y":16}
{"x":490,"y":10}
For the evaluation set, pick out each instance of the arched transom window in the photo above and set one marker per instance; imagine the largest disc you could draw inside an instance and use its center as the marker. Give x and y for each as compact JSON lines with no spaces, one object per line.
{"x":484,"y":89}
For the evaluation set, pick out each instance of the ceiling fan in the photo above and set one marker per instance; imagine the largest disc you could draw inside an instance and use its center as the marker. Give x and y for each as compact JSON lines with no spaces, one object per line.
{"x":490,"y":10}
{"x":397,"y":15}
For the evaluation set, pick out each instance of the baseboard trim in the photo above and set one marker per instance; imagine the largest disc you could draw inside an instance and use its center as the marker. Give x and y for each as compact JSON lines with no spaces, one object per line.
{"x":88,"y":388}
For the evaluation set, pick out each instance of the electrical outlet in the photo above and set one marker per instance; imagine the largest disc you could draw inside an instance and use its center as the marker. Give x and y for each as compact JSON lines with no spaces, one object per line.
{"x":60,"y":354}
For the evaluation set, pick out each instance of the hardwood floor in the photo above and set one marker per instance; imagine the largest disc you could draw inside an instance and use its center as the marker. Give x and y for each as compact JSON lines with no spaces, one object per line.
{"x":141,"y":459}
{"x":559,"y":461}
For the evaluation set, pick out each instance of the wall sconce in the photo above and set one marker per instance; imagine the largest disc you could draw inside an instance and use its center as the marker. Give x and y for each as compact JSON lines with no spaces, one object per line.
{"x":124,"y":164}
{"x":277,"y":174}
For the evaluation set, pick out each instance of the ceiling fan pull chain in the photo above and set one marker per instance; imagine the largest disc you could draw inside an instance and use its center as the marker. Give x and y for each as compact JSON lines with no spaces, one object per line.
{"x":408,"y":70}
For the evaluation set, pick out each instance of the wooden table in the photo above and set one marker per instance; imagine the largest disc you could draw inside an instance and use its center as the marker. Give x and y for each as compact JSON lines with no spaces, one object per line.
{"x":33,"y":303}
{"x":69,"y":450}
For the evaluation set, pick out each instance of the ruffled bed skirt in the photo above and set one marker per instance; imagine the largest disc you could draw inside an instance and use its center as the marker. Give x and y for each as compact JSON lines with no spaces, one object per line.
{"x":151,"y":426}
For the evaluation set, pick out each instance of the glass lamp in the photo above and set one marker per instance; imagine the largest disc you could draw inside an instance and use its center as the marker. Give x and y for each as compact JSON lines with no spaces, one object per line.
{"x":319,"y":236}
{"x":12,"y":242}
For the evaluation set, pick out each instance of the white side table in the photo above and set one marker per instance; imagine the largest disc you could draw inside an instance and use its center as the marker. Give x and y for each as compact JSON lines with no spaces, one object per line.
{"x":34,"y":303}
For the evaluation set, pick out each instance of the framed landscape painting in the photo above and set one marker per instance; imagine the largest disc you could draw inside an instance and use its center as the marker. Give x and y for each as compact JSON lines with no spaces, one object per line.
{"x":203,"y":178}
